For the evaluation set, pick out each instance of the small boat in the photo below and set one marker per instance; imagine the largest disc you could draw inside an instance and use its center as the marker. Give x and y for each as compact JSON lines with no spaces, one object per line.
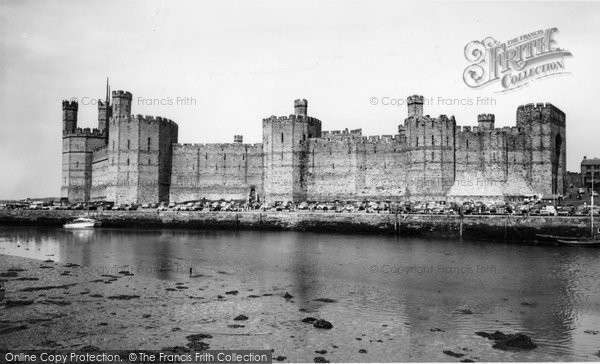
{"x":82,"y":223}
{"x":554,"y":238}
{"x":580,"y":242}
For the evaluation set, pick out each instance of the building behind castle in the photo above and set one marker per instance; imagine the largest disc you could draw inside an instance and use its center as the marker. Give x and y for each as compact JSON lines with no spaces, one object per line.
{"x":137,"y":159}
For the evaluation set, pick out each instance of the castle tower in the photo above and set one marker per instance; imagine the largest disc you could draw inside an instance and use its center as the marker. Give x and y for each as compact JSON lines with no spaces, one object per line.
{"x":545,"y":146}
{"x":70,"y":109}
{"x":415,"y":106}
{"x":139,"y":154}
{"x":104,"y":110}
{"x":301,"y":107}
{"x":430,"y":144}
{"x":485,"y":122}
{"x":285,"y":145}
{"x":121,"y":103}
{"x":77,"y":149}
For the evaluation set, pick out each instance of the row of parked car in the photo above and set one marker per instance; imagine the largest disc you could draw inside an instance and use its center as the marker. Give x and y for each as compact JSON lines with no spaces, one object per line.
{"x":405,"y":207}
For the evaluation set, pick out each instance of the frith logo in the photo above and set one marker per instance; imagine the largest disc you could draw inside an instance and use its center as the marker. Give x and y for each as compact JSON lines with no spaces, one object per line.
{"x":514,"y":63}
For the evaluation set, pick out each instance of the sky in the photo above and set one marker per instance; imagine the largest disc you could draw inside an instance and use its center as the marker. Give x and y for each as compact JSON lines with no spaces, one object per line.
{"x":237,"y":62}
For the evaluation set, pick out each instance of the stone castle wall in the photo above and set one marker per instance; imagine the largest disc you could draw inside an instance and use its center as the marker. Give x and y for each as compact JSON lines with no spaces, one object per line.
{"x":215,"y":171}
{"x":136,"y":159}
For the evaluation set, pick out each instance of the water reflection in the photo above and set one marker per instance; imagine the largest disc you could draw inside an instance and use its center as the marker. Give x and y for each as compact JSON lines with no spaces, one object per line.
{"x":551,"y":293}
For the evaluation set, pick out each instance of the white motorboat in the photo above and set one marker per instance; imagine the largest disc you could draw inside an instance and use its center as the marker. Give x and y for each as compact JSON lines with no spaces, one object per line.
{"x":82,"y":223}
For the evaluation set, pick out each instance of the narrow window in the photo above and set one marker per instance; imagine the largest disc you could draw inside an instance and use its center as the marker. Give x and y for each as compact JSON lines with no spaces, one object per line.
{"x":224,"y":156}
{"x":77,"y":165}
{"x":113,"y":145}
{"x":281,"y":138}
{"x":205,"y":156}
{"x":432,"y":140}
{"x":432,"y":156}
{"x":127,"y":161}
{"x":148,"y":144}
{"x":447,"y":141}
{"x":148,"y":161}
{"x":128,"y":144}
{"x":467,"y":143}
{"x":417,"y":141}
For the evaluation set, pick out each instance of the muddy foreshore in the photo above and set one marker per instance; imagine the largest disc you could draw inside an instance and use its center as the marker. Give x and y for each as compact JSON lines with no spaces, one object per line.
{"x":482,"y":227}
{"x":61,"y":306}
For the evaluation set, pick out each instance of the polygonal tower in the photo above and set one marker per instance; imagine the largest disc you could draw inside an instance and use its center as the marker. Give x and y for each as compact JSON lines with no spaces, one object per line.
{"x":139,"y":154}
{"x":285,"y":145}
{"x":429,"y":151}
{"x":77,"y":148}
{"x":545,"y":152}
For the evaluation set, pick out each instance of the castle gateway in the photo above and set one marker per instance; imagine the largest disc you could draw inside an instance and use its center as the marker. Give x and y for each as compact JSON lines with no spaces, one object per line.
{"x":137,"y":159}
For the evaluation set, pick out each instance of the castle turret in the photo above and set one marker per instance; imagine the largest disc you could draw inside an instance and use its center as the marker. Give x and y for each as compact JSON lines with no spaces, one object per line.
{"x":301,"y":107}
{"x":104,"y":110}
{"x":485,"y":121}
{"x":415,"y":106}
{"x":69,"y":116}
{"x":545,"y":128}
{"x":121,"y":103}
{"x":285,"y":141}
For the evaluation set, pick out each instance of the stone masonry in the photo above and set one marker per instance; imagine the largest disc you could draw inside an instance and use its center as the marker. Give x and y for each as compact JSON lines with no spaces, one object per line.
{"x":137,"y":159}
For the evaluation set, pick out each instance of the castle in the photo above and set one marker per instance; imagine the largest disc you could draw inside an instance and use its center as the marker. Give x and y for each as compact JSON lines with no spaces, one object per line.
{"x":137,"y":159}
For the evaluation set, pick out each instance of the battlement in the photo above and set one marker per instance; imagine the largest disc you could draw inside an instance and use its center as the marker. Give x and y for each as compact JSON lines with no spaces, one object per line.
{"x":122,"y":94}
{"x":87,"y":132}
{"x":442,"y":121}
{"x":540,"y":110}
{"x":70,"y":104}
{"x":215,"y":146}
{"x":486,"y":117}
{"x":238,"y":138}
{"x":291,"y":118}
{"x":415,"y":99}
{"x":99,"y":153}
{"x":145,"y":118}
{"x":475,"y":129}
{"x":100,"y":148}
{"x":345,"y":132}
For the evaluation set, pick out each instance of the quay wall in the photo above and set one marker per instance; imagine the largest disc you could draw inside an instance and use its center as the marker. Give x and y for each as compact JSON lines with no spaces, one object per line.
{"x":491,"y":227}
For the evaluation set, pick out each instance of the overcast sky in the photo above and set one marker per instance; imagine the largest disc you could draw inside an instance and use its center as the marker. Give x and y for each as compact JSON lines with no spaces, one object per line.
{"x":243,"y":61}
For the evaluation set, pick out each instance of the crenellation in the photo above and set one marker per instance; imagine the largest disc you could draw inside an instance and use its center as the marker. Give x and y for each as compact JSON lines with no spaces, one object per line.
{"x":136,"y":158}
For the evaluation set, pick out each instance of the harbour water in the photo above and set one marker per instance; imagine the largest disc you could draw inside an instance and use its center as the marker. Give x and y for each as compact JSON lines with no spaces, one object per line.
{"x":435,"y":294}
